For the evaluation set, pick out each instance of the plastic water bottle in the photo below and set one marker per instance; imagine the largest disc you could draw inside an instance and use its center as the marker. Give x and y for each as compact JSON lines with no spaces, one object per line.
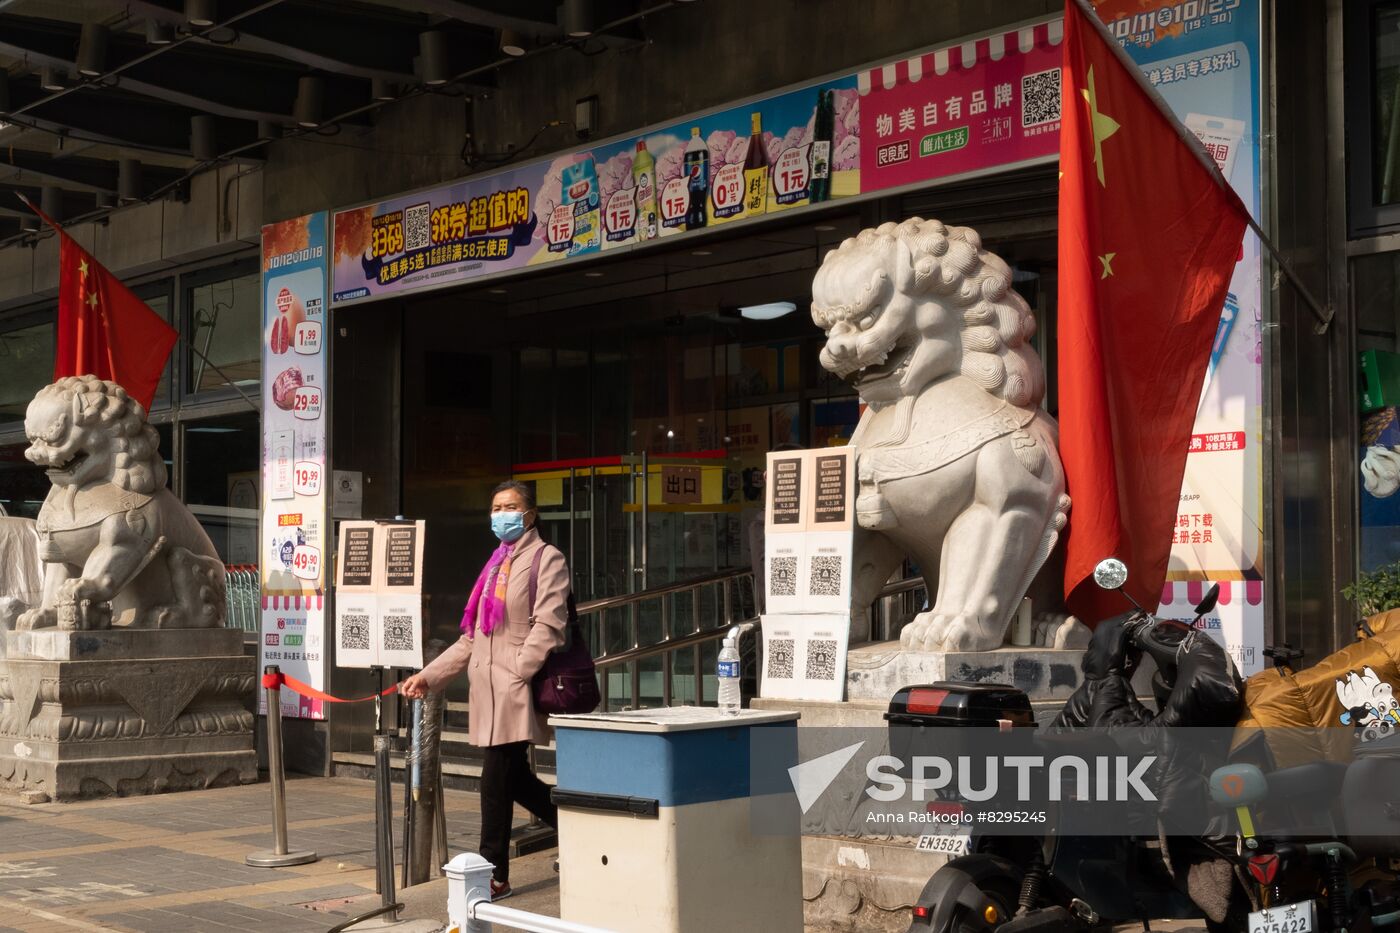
{"x":727,"y":670}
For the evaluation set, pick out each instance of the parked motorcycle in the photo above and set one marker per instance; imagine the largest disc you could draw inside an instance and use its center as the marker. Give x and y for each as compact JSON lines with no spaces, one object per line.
{"x":1237,"y":879}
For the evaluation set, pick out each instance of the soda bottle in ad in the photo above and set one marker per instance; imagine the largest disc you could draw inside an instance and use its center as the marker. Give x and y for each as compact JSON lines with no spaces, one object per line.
{"x":644,"y":180}
{"x":823,"y":128}
{"x":756,"y":170}
{"x":697,"y":173}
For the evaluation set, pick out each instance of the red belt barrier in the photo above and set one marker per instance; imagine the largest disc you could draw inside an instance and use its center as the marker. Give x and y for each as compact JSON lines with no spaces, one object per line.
{"x":280,"y":680}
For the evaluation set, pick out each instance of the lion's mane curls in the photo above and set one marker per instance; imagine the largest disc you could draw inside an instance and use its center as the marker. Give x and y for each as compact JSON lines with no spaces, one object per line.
{"x":105,"y":411}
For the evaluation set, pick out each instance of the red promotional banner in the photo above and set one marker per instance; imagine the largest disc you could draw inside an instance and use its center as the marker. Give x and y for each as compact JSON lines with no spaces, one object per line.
{"x":978,"y":105}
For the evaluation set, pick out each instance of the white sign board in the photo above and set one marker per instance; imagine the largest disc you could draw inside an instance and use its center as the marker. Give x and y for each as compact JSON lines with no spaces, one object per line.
{"x":379,"y":601}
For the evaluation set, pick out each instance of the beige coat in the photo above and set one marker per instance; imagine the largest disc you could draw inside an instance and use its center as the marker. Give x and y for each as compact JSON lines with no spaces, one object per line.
{"x":499,"y":665}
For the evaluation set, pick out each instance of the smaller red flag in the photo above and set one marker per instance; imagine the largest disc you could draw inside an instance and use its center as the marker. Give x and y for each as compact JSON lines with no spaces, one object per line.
{"x":104,"y":330}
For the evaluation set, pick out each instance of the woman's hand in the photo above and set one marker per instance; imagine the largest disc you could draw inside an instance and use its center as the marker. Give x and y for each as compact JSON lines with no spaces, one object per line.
{"x":415,"y":687}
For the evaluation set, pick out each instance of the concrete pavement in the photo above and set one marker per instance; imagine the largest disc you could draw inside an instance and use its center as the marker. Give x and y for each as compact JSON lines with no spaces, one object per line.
{"x":175,"y":862}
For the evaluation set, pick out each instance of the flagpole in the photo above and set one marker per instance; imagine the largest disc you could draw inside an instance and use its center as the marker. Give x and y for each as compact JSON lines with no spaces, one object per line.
{"x":1324,"y":316}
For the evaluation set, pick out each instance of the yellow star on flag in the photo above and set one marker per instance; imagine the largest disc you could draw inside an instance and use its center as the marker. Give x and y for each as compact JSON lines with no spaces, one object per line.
{"x":1107,"y":260}
{"x":1101,"y":124}
{"x":92,"y":300}
{"x":82,"y":268}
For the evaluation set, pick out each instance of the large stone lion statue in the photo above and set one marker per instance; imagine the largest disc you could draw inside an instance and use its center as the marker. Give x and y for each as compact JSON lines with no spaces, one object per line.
{"x":116,"y":544}
{"x":957,"y":464}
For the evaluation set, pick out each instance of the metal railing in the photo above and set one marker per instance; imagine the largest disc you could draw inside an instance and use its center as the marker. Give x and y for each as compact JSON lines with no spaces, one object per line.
{"x":244,"y":597}
{"x":896,"y":603}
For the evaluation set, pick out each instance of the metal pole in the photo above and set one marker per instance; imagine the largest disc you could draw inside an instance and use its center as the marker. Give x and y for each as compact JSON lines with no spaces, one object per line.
{"x":426,"y":803}
{"x":646,"y":499}
{"x":383,"y":822}
{"x":279,"y":856}
{"x":440,"y":824}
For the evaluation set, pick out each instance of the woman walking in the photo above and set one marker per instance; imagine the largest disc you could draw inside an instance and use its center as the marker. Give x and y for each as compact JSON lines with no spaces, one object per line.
{"x":504,"y":642}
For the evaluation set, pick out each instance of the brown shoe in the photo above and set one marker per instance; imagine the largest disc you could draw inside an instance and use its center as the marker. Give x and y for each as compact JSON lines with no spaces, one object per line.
{"x":500,"y":890}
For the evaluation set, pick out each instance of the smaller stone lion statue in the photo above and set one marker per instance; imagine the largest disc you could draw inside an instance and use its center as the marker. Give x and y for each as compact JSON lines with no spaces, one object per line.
{"x":958,"y":465}
{"x":116,"y":543}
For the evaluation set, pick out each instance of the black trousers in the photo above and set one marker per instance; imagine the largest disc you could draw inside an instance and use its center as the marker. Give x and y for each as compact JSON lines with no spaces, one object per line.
{"x":506,"y":779}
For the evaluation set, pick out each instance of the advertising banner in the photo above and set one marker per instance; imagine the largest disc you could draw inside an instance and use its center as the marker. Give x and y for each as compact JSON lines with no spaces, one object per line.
{"x":294,"y":530}
{"x":978,"y":105}
{"x":1204,"y":59}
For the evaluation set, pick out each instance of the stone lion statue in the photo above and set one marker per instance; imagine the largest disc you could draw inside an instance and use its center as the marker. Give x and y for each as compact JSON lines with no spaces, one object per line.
{"x":957,"y":464}
{"x":115,"y":543}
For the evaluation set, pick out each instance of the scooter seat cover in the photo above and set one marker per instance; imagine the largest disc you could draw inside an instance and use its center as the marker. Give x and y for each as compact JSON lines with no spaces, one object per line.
{"x":1321,"y":711}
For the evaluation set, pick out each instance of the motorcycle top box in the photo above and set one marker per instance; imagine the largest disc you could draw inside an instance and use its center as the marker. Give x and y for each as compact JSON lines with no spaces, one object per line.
{"x":953,"y":703}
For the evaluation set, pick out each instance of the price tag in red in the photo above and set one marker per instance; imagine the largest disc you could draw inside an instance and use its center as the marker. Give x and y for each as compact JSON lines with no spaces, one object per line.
{"x":620,"y":218}
{"x":675,"y":198}
{"x":306,"y":562}
{"x":561,"y":225}
{"x":307,"y":340}
{"x":791,"y":175}
{"x":306,"y":478}
{"x":306,"y":403}
{"x":727,"y":192}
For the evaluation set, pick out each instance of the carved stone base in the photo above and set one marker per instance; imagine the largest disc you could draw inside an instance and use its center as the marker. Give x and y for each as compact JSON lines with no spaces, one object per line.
{"x":92,"y":714}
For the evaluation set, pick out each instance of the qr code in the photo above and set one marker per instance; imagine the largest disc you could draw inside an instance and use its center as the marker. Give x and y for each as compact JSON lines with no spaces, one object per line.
{"x":1040,"y":98}
{"x":354,"y":632}
{"x":417,"y":233}
{"x":398,"y":633}
{"x":825,"y":576}
{"x":783,"y":576}
{"x":821,"y":659}
{"x":780,"y":651}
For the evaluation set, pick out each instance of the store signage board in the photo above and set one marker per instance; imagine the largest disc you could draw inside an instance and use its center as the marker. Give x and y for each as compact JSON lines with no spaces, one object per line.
{"x":293,"y":536}
{"x":1205,"y":60}
{"x":979,"y":105}
{"x":379,"y":595}
{"x":809,"y":531}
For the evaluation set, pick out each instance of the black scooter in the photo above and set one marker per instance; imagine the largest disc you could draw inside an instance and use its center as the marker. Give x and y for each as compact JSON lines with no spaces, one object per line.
{"x":1068,"y":882}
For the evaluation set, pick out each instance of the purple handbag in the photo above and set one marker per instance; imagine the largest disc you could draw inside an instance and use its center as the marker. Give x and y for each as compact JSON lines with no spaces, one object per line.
{"x":568,"y":681}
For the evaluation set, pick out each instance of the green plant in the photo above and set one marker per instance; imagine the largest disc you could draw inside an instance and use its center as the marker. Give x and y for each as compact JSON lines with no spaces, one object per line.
{"x":1376,"y":591}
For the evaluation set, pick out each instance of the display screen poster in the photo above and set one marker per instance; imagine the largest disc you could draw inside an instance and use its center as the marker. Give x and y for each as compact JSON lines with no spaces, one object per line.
{"x":293,"y":537}
{"x":1204,"y":59}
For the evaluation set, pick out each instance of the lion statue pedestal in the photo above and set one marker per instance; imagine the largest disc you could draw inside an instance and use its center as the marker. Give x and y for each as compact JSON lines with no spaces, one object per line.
{"x":123,"y":679}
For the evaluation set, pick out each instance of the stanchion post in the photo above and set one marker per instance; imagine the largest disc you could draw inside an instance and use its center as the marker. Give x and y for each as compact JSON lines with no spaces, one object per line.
{"x":279,"y":856}
{"x":383,"y":822}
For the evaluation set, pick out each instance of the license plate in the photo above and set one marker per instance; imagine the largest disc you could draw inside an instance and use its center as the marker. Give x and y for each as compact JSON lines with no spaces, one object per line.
{"x":1284,"y":918}
{"x":949,"y":843}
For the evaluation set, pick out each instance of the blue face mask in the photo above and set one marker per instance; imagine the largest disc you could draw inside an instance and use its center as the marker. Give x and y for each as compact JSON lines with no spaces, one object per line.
{"x":508,"y":526}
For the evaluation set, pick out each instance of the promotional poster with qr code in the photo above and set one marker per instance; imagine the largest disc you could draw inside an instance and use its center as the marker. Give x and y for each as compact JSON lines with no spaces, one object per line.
{"x":809,"y":542}
{"x":379,"y":601}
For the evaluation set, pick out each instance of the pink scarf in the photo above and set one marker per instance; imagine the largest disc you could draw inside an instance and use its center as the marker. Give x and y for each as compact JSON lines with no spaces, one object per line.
{"x":486,"y":617}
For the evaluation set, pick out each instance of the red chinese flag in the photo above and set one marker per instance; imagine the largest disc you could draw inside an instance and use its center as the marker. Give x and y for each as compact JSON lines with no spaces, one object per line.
{"x":103,"y":329}
{"x":1149,"y":235}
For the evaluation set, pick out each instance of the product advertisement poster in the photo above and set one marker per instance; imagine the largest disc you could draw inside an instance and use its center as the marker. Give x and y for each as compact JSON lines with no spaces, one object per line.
{"x":294,"y":528}
{"x":978,"y":105}
{"x":1204,"y":59}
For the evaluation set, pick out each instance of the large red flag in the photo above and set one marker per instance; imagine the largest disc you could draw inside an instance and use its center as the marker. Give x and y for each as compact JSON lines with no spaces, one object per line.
{"x":1149,"y":235}
{"x":103,"y":329}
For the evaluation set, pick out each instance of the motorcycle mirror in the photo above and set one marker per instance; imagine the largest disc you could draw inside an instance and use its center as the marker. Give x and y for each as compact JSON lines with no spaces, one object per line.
{"x":1207,"y":604}
{"x":1111,"y":573}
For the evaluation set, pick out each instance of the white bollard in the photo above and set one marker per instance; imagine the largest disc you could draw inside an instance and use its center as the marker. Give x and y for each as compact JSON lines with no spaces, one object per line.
{"x":468,"y":880}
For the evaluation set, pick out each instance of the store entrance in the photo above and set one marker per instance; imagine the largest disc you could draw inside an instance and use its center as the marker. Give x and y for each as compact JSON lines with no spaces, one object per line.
{"x":638,"y":396}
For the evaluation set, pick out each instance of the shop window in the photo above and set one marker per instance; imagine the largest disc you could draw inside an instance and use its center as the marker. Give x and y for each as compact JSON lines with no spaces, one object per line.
{"x":1372,"y":57}
{"x":23,"y":486}
{"x":221,"y":482}
{"x":26,"y":362}
{"x":1375,"y":284}
{"x":224,"y":334}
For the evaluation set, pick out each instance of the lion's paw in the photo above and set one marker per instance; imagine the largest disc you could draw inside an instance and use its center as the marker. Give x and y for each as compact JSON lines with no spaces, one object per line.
{"x":36,"y":618}
{"x":970,"y":633}
{"x":924,"y":632}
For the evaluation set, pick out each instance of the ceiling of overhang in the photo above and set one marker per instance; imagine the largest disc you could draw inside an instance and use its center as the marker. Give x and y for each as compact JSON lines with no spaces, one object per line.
{"x":71,"y":132}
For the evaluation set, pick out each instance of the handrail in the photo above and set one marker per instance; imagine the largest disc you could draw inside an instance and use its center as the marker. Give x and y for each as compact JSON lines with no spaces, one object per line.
{"x":666,"y":589}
